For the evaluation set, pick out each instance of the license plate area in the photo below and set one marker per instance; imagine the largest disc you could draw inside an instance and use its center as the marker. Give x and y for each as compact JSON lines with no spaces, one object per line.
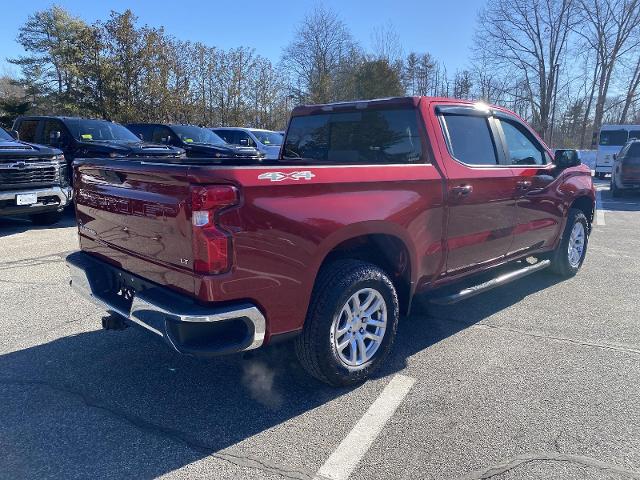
{"x":124,"y":289}
{"x":26,"y":198}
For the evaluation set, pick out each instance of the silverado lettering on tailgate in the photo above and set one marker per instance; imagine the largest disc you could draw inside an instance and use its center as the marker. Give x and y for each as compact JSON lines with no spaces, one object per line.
{"x":127,"y":206}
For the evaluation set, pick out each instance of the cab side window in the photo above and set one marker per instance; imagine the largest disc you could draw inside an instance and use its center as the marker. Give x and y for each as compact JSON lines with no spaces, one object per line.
{"x":27,"y":130}
{"x":226,"y":135}
{"x":522,"y":147}
{"x":245,"y":140}
{"x":54,"y":133}
{"x":162,"y":135}
{"x":143,"y":132}
{"x":470,"y":139}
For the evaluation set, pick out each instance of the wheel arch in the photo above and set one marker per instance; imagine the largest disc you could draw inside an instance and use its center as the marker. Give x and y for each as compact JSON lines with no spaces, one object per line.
{"x":586,"y":205}
{"x":390,"y":250}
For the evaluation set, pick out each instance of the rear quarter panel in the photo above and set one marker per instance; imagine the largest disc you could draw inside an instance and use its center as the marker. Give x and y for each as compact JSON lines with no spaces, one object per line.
{"x":283,"y":230}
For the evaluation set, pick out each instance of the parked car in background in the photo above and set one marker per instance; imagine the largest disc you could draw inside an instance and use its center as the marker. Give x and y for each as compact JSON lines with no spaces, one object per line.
{"x":33,"y":180}
{"x":368,"y":204}
{"x":198,"y":142}
{"x":626,"y":170}
{"x":89,"y":138}
{"x":612,"y":138}
{"x":266,"y":141}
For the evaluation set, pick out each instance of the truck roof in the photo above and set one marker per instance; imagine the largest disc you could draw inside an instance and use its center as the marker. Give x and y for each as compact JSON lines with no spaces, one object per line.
{"x":59,"y":117}
{"x":620,"y":127}
{"x":389,"y":102}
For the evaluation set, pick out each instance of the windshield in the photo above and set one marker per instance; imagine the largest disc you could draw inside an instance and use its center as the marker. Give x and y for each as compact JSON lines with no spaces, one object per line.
{"x":193,"y":134}
{"x":268,"y":138}
{"x":634,"y":134}
{"x":100,"y":131}
{"x":5,"y":136}
{"x":613,"y":137}
{"x":634,"y":150}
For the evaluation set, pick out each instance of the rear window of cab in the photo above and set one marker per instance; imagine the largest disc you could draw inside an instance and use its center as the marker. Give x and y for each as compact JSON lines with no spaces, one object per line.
{"x":360,"y":137}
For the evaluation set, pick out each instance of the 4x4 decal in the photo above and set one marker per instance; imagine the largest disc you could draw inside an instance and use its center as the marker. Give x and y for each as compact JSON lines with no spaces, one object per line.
{"x":279,"y":176}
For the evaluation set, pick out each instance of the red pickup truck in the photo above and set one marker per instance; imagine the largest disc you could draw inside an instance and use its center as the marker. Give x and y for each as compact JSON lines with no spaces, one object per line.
{"x":368,"y":204}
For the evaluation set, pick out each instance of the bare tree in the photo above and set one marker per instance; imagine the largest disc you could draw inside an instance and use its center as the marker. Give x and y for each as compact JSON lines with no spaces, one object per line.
{"x":608,"y":27}
{"x":386,"y":45}
{"x":530,"y":37}
{"x":632,"y":91}
{"x":321,"y":48}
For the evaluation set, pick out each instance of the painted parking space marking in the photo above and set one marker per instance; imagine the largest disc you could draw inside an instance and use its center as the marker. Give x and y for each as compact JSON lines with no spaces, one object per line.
{"x":599,"y":209}
{"x":346,"y":457}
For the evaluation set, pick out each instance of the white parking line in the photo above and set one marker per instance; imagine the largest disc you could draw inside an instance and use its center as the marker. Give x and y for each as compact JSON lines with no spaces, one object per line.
{"x":346,"y":457}
{"x":599,"y":211}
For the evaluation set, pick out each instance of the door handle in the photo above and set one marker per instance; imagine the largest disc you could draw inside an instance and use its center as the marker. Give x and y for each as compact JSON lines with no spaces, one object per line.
{"x":462,"y":190}
{"x":524,"y":184}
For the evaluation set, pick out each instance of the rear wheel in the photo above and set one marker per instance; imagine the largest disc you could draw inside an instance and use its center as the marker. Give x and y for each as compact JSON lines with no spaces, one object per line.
{"x":615,"y":191}
{"x":351,"y":323}
{"x":569,"y":256}
{"x":46,"y":218}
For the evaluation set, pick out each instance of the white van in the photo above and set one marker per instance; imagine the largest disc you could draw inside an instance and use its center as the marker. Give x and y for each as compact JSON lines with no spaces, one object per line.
{"x":612,"y":138}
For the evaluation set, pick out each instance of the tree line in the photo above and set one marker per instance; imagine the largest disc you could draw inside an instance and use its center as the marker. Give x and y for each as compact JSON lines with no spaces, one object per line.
{"x":566,"y":66}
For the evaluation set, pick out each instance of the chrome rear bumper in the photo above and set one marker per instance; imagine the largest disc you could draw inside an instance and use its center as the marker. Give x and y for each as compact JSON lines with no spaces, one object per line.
{"x":188,"y":327}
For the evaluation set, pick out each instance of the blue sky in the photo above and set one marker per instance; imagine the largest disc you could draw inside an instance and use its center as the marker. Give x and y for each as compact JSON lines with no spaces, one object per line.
{"x":442,"y":28}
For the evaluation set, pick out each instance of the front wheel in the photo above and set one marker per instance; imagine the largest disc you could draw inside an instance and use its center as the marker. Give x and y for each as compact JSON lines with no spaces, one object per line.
{"x":351,"y":323}
{"x":615,"y":191}
{"x":569,"y":256}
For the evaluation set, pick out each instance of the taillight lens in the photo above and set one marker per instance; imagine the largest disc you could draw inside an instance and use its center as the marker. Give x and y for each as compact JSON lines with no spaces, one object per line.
{"x":212,"y":249}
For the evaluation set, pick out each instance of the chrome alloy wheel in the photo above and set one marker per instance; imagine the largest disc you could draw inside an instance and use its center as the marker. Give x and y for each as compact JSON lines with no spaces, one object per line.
{"x":576,"y":244}
{"x":358,"y":329}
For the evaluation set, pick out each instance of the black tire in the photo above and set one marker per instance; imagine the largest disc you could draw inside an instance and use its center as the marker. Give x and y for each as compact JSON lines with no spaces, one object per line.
{"x":335,"y":285}
{"x":560,"y":263}
{"x":615,"y":191}
{"x":46,"y":218}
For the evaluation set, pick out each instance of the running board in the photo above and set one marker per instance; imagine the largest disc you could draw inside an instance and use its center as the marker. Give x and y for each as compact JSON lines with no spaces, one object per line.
{"x":490,"y":284}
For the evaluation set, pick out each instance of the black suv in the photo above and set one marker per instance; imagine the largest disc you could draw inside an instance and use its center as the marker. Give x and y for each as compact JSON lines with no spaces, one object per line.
{"x":625,"y":175}
{"x":198,"y":142}
{"x":88,"y":138}
{"x":33,"y":180}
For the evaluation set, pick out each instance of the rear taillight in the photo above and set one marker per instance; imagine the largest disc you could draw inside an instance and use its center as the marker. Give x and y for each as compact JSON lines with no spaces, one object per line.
{"x":212,"y":249}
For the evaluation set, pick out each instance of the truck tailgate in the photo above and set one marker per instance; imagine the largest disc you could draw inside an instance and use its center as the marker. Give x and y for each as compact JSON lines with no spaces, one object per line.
{"x":133,"y":209}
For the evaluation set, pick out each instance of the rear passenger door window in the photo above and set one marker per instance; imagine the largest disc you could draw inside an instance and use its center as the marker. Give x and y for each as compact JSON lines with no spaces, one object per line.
{"x":470,"y":139}
{"x":522,"y":148}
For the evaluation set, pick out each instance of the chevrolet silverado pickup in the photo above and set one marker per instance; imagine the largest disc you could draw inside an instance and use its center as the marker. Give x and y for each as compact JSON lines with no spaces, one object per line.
{"x":87,"y":138}
{"x":197,"y":142}
{"x":368,"y":204}
{"x":33,"y":181}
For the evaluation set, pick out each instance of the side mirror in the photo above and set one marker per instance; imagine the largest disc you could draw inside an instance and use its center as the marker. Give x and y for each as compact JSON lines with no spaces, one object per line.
{"x":244,"y":142}
{"x":567,"y":158}
{"x":166,"y":140}
{"x":615,"y":156}
{"x":14,"y":134}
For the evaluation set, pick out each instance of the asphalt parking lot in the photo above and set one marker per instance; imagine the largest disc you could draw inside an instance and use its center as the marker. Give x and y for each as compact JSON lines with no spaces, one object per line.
{"x":538,"y":379}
